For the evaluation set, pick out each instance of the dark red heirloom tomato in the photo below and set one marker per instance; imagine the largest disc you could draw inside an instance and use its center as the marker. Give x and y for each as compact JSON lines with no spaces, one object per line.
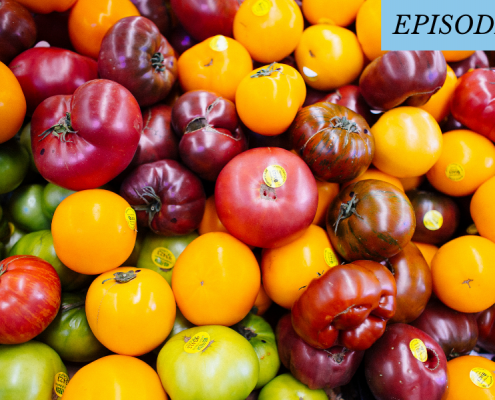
{"x":30,"y":295}
{"x":473,"y":101}
{"x":266,"y":197}
{"x":315,"y":368}
{"x":486,"y":329}
{"x":53,"y":28}
{"x":478,"y":59}
{"x":167,"y":197}
{"x":48,"y":71}
{"x":157,"y":11}
{"x":135,"y":54}
{"x":209,"y":130}
{"x":370,"y":220}
{"x":85,"y":140}
{"x":402,"y":77}
{"x":349,"y":305}
{"x":333,"y":140}
{"x":406,"y":363}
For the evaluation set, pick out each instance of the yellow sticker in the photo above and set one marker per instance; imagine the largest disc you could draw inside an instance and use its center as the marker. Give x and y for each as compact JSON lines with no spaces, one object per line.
{"x":219,"y":43}
{"x":330,"y":257}
{"x":61,"y":381}
{"x":274,"y":176}
{"x":455,"y":172}
{"x":130,"y":217}
{"x":418,"y":349}
{"x":261,"y":7}
{"x":481,"y":377}
{"x":163,"y":258}
{"x":433,"y":220}
{"x":197,"y":343}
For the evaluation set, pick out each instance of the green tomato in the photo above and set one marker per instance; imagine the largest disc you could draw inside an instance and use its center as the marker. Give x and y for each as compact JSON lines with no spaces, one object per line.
{"x":52,"y":197}
{"x":41,"y":244}
{"x":14,"y":164}
{"x":4,"y":227}
{"x":286,"y":387}
{"x":30,"y":371}
{"x":69,"y":333}
{"x":261,"y":336}
{"x":136,"y":251}
{"x":209,"y":362}
{"x":25,"y":141}
{"x":25,"y":208}
{"x":160,"y":253}
{"x":180,"y":324}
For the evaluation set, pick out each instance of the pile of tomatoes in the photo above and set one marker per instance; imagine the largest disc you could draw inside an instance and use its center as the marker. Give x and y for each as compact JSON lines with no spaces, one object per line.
{"x":234,"y":200}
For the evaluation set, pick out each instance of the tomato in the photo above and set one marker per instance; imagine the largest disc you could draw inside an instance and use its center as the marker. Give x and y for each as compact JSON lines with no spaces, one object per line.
{"x":52,"y":197}
{"x":85,"y":140}
{"x":262,"y":302}
{"x":93,"y":231}
{"x":25,"y":141}
{"x":159,"y":253}
{"x":338,"y":12}
{"x":428,"y":251}
{"x":288,"y":269}
{"x":278,"y":24}
{"x":12,"y":104}
{"x":29,"y":298}
{"x":47,"y":6}
{"x":31,"y":371}
{"x":478,"y":59}
{"x":89,"y":21}
{"x":329,"y":56}
{"x":273,"y":90}
{"x":439,"y":103}
{"x":115,"y":377}
{"x":462,"y":274}
{"x":327,"y":191}
{"x":486,"y":332}
{"x":467,"y":159}
{"x":411,"y":132}
{"x":125,"y":304}
{"x":25,"y":208}
{"x":368,"y":28}
{"x":373,"y":173}
{"x":16,"y":234}
{"x":412,"y":182}
{"x":216,"y":280}
{"x":217,"y":64}
{"x":208,"y":362}
{"x":481,"y":209}
{"x":457,"y":55}
{"x":14,"y":165}
{"x":285,"y":387}
{"x":211,"y":222}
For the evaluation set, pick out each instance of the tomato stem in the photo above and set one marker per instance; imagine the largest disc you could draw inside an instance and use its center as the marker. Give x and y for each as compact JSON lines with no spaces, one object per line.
{"x":123,"y":277}
{"x":266,"y":71}
{"x":151,"y":207}
{"x":244,"y":331}
{"x":77,"y":304}
{"x":3,"y":269}
{"x":60,"y":129}
{"x":347,"y":209}
{"x":157,"y":62}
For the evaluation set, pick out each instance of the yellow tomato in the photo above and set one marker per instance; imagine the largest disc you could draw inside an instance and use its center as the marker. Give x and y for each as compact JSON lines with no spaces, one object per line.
{"x":428,"y":251}
{"x":338,"y":12}
{"x":439,"y":104}
{"x":412,"y":182}
{"x":217,"y":64}
{"x":369,"y":28}
{"x":373,"y":173}
{"x":268,"y":98}
{"x":327,"y":191}
{"x":268,"y":29}
{"x":329,"y":56}
{"x":457,"y":55}
{"x":130,"y":311}
{"x":12,"y":104}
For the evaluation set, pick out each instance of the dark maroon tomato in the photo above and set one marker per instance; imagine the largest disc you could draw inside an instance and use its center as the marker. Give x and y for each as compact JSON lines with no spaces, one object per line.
{"x":157,"y":141}
{"x":406,"y":363}
{"x":85,"y":140}
{"x":486,"y":329}
{"x":313,"y":96}
{"x":257,"y":140}
{"x":450,"y":124}
{"x":437,"y":216}
{"x":456,"y":332}
{"x":17,"y":30}
{"x":181,"y":40}
{"x":156,"y":11}
{"x":48,"y":71}
{"x":370,"y":220}
{"x":54,"y":29}
{"x":402,"y":77}
{"x":167,"y":197}
{"x":206,"y":18}
{"x":135,"y":54}
{"x":314,"y":367}
{"x":209,"y":130}
{"x":333,"y":140}
{"x":350,"y":96}
{"x":414,"y":283}
{"x":477,"y":60}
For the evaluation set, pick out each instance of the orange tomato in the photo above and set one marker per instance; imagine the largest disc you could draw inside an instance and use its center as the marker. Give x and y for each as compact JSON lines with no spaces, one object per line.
{"x":369,"y":28}
{"x":373,"y":173}
{"x":93,"y":231}
{"x":217,"y":64}
{"x":329,"y":56}
{"x":482,"y":209}
{"x":115,"y":377}
{"x":130,"y":311}
{"x":262,"y":302}
{"x":216,"y":280}
{"x":466,"y":161}
{"x":439,"y":104}
{"x":338,"y":12}
{"x":268,"y":98}
{"x":412,"y":182}
{"x":470,"y":377}
{"x":268,"y":29}
{"x":327,"y":191}
{"x":408,"y":142}
{"x":464,"y":275}
{"x":428,"y":251}
{"x":47,"y":6}
{"x":12,"y":104}
{"x":210,"y":221}
{"x":288,"y":269}
{"x":89,"y":20}
{"x":457,"y":55}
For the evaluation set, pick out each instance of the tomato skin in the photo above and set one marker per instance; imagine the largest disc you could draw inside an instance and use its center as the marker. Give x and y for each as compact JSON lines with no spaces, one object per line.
{"x":486,"y":328}
{"x":47,"y":6}
{"x":30,"y":297}
{"x":26,"y":210}
{"x":14,"y":165}
{"x":12,"y":104}
{"x":477,"y":60}
{"x":285,"y":386}
{"x":47,"y":71}
{"x":106,"y":122}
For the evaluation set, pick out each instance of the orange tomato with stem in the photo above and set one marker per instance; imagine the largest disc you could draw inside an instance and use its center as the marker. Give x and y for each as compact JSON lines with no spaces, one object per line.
{"x":338,"y":12}
{"x":12,"y":104}
{"x":482,"y":209}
